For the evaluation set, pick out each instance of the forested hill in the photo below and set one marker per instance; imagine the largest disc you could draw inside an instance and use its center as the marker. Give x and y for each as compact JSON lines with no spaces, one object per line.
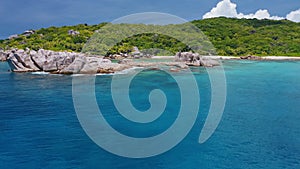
{"x":252,"y":36}
{"x":229,"y":36}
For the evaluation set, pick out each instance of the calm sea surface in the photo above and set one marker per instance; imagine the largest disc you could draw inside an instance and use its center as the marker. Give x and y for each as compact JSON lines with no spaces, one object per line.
{"x":260,"y":127}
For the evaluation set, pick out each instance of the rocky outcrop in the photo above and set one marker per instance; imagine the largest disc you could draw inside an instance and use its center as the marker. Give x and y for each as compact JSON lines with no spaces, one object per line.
{"x":187,"y":57}
{"x":92,"y":65}
{"x":60,"y":62}
{"x":78,"y":63}
{"x":194,"y":59}
{"x":42,"y":60}
{"x":20,"y":61}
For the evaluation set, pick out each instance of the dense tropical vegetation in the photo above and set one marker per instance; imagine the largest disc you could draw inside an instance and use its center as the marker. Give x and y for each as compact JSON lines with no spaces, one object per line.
{"x":251,"y":36}
{"x":228,"y":35}
{"x":150,"y":39}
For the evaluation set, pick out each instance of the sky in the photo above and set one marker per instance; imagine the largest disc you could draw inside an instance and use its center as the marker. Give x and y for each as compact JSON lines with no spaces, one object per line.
{"x":16,"y":16}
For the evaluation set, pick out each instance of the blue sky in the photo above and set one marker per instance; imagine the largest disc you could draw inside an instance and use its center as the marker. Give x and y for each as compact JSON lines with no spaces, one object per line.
{"x":19,"y":15}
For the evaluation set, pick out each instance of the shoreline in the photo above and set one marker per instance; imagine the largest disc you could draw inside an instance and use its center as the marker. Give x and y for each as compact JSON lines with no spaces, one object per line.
{"x":238,"y":58}
{"x":281,"y":58}
{"x":80,"y":63}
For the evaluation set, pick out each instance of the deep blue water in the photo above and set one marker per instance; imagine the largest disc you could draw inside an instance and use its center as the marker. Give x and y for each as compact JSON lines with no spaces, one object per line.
{"x":259,"y":129}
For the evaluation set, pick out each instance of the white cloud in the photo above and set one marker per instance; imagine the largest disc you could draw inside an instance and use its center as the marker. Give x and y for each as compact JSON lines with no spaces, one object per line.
{"x":260,"y":14}
{"x":223,"y":8}
{"x":294,"y":16}
{"x":228,"y":9}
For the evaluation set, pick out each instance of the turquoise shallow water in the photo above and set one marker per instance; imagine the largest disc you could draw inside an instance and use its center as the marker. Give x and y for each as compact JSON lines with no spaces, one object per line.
{"x":259,"y":129}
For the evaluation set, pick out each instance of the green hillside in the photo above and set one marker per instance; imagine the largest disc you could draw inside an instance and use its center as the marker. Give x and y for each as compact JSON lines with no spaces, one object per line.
{"x":257,"y":37}
{"x":229,"y":36}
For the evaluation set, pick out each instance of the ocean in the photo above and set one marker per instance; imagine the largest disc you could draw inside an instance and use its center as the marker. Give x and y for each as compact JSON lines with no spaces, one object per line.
{"x":259,"y":128}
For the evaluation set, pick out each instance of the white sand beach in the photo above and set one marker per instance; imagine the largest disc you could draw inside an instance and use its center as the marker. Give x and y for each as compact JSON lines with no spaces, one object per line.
{"x":236,"y":57}
{"x":281,"y":58}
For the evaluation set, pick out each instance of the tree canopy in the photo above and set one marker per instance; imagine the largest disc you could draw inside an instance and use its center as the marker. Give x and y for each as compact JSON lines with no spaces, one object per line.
{"x":229,"y":36}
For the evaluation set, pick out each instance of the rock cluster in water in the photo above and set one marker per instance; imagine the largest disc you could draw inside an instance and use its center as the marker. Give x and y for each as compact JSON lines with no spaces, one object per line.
{"x":194,"y":59}
{"x":78,"y":63}
{"x":59,"y":62}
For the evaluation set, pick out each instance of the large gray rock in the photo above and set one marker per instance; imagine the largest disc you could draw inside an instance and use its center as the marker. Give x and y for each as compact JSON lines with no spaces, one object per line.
{"x":20,"y":61}
{"x":98,"y":65}
{"x":29,"y":63}
{"x":75,"y":67}
{"x":38,"y":59}
{"x":59,"y":62}
{"x":92,"y":65}
{"x":50,"y":66}
{"x":41,"y":60}
{"x":16,"y":64}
